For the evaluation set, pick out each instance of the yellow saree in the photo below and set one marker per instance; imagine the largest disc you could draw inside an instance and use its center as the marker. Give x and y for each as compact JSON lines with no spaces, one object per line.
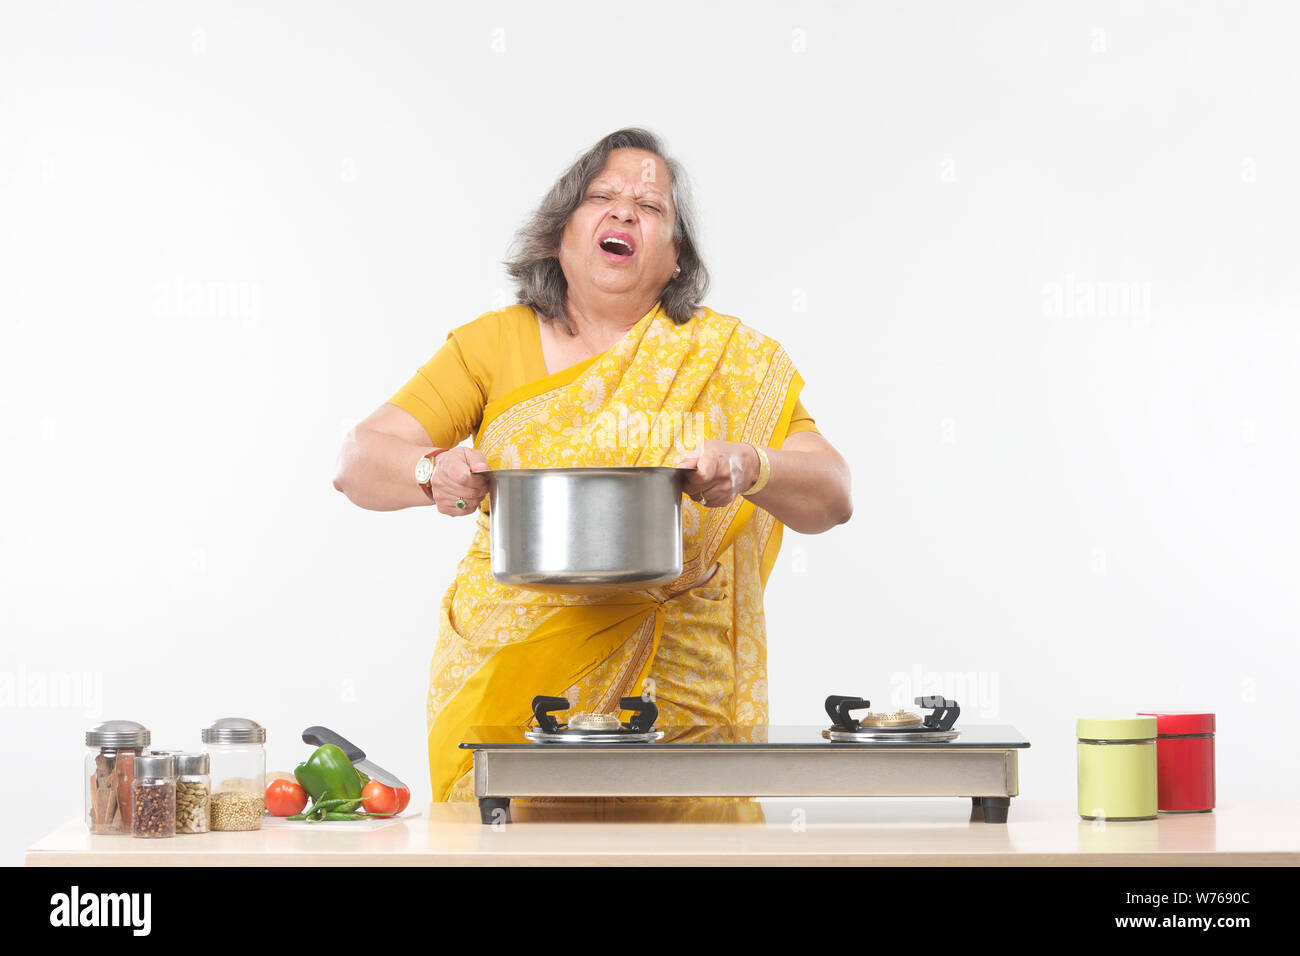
{"x":700,"y":641}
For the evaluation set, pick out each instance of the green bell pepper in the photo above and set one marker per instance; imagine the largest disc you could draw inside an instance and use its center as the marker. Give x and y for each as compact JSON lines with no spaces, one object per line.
{"x":328,"y":774}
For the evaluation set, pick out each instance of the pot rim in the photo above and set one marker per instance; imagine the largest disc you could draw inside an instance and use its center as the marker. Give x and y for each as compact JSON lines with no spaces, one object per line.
{"x":585,"y":471}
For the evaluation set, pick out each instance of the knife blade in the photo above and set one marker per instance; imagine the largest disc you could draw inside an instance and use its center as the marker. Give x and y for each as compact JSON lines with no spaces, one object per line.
{"x":319,"y":736}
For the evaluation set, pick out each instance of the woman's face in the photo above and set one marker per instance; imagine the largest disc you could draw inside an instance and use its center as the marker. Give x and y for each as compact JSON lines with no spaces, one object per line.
{"x":630,"y":199}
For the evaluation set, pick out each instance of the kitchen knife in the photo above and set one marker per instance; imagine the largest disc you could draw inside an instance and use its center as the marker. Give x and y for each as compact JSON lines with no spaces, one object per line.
{"x":319,"y":736}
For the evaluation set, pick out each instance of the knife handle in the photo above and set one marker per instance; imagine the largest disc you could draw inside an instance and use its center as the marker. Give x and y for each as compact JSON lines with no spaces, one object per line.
{"x":319,"y":736}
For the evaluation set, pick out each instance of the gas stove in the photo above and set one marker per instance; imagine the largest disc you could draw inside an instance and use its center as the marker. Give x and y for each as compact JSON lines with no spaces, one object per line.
{"x":897,"y":727}
{"x":584,"y":727}
{"x":888,"y":754}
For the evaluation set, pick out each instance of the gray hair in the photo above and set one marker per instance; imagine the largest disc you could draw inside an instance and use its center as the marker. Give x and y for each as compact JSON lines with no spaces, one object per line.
{"x":534,"y":253}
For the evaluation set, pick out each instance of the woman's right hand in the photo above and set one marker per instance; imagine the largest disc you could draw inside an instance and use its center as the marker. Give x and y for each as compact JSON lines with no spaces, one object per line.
{"x":455,"y":475}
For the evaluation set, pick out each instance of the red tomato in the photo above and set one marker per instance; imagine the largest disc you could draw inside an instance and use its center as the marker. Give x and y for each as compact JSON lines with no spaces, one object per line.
{"x":284,"y":798}
{"x":403,"y":798}
{"x":377,"y":798}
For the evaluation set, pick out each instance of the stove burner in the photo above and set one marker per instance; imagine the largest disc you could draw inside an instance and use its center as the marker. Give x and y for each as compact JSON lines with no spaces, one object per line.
{"x":900,"y":718}
{"x":594,"y":728}
{"x":585,"y":721}
{"x":900,"y":726}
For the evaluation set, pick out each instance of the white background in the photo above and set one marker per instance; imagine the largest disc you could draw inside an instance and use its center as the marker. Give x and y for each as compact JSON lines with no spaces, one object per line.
{"x":1036,"y":263}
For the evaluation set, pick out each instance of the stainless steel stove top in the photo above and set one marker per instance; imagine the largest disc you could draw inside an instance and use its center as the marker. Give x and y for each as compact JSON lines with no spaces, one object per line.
{"x":981,"y":763}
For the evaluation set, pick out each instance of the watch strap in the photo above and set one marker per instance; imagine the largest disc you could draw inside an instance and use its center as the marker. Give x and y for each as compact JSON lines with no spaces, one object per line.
{"x":432,"y":456}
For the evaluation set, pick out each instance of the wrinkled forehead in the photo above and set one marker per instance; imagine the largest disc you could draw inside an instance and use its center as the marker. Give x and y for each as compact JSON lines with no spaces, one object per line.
{"x":643,"y":173}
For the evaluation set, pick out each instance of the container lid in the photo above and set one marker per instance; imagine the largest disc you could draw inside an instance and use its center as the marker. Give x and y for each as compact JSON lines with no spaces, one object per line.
{"x":234,"y":730}
{"x":118,"y":733}
{"x":191,"y":763}
{"x":155,"y":765}
{"x":1181,"y":721}
{"x":1116,"y":728}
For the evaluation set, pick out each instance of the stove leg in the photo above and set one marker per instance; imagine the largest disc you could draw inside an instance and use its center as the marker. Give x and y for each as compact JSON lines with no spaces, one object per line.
{"x":994,"y":808}
{"x":494,"y":810}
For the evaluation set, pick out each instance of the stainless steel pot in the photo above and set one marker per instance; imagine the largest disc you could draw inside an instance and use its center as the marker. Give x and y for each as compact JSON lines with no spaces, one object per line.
{"x":582,"y":530}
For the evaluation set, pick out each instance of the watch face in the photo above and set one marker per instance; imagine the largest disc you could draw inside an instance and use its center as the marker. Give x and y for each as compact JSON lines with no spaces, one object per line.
{"x":423,"y":471}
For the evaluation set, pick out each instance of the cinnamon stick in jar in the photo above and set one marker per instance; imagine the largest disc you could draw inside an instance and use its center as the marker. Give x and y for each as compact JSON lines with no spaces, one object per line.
{"x":103,"y":793}
{"x":108,"y":769}
{"x":123,"y":773}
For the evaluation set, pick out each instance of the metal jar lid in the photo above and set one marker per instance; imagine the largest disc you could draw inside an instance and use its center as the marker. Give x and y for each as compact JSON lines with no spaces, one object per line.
{"x":190,"y":764}
{"x":118,"y":733}
{"x":1178,"y":723}
{"x":155,"y":765}
{"x":234,"y":730}
{"x":1117,"y":728}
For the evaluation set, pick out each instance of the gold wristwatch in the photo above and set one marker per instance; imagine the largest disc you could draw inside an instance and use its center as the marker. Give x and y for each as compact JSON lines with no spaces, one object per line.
{"x":424,"y":471}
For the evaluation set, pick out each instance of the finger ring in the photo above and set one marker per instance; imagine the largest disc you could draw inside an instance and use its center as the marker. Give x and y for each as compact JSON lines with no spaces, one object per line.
{"x":460,"y":503}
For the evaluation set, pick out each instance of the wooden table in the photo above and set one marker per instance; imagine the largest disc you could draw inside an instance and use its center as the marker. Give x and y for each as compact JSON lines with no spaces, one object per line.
{"x":876,"y":832}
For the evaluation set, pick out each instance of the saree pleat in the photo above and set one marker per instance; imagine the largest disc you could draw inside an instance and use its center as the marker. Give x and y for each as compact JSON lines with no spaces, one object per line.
{"x":698,"y":642}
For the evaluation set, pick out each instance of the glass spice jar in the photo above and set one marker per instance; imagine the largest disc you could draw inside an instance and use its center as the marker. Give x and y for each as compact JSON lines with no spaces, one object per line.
{"x":109,"y":768}
{"x":237,"y":753}
{"x":153,"y":796}
{"x":193,"y":787}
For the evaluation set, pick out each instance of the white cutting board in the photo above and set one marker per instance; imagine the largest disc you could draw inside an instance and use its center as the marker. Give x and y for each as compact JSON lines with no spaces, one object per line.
{"x":376,"y":824}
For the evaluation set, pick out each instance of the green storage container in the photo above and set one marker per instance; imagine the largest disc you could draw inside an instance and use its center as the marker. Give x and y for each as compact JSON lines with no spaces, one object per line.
{"x":1117,"y":768}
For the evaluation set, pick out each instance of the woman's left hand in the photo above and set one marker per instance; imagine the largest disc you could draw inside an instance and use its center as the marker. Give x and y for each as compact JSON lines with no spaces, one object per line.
{"x":723,"y":470}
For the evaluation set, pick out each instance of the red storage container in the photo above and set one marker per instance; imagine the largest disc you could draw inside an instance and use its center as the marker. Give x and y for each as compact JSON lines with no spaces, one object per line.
{"x":1184,"y":761}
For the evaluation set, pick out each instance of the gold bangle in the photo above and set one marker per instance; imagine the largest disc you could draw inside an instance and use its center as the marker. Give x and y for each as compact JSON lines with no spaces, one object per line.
{"x":764,"y":471}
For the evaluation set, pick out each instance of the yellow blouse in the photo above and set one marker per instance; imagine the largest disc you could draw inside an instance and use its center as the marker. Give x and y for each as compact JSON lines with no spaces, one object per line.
{"x":482,"y":360}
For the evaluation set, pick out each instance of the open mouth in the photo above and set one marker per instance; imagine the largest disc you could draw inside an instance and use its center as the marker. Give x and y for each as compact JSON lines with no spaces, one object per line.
{"x":617,"y":248}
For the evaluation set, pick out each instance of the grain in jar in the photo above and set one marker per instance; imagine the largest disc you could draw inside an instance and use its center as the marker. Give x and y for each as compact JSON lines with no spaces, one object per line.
{"x":237,"y":810}
{"x":237,"y":766}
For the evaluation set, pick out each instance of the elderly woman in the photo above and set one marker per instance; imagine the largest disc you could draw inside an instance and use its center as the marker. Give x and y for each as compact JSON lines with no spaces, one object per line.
{"x":608,"y":358}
